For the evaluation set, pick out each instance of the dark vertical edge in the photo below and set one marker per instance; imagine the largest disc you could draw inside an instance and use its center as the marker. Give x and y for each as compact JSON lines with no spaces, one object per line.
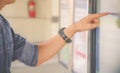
{"x":93,"y":40}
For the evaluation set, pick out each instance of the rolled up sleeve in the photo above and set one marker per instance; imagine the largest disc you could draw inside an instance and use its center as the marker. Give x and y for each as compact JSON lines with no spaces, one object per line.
{"x":29,"y":55}
{"x":24,"y":51}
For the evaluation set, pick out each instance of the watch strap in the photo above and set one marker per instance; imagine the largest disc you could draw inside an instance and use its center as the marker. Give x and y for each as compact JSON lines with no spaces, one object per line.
{"x":62,"y":34}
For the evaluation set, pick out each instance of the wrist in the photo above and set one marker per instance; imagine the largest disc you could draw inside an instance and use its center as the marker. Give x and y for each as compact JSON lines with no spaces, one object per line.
{"x":73,"y":28}
{"x":70,"y":31}
{"x":79,"y":26}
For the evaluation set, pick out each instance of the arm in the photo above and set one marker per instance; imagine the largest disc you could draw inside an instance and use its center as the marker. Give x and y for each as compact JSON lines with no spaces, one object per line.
{"x":49,"y":48}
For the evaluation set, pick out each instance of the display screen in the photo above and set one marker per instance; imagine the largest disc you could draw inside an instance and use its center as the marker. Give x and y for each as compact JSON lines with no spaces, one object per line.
{"x":64,"y":22}
{"x":64,"y":13}
{"x":80,"y":39}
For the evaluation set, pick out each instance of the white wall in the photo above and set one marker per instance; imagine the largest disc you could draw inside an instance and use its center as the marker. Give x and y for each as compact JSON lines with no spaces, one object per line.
{"x":34,"y":29}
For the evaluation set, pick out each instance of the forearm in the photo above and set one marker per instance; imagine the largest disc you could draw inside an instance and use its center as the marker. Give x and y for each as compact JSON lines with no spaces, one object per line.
{"x":49,"y":48}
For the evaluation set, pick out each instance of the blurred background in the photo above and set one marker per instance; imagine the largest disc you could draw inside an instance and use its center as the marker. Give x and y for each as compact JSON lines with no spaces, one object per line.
{"x":94,"y":51}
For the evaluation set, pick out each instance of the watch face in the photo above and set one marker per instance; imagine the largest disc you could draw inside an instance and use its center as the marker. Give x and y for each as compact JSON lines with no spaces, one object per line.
{"x":68,"y":41}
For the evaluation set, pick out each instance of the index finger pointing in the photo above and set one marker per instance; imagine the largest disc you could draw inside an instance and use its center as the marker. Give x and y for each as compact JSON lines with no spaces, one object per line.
{"x":99,"y":15}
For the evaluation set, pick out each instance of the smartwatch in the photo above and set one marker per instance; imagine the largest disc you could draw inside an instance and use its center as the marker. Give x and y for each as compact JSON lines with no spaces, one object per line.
{"x":62,"y":34}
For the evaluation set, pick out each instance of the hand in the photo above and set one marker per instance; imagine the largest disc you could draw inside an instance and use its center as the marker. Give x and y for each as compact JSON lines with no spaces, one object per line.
{"x":89,"y":22}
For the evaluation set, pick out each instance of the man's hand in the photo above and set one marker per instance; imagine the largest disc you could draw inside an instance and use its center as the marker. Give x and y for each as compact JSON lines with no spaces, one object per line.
{"x":89,"y":22}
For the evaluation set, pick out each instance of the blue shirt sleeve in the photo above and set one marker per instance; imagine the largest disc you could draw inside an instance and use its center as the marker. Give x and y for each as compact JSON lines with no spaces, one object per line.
{"x":24,"y":51}
{"x":29,"y":55}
